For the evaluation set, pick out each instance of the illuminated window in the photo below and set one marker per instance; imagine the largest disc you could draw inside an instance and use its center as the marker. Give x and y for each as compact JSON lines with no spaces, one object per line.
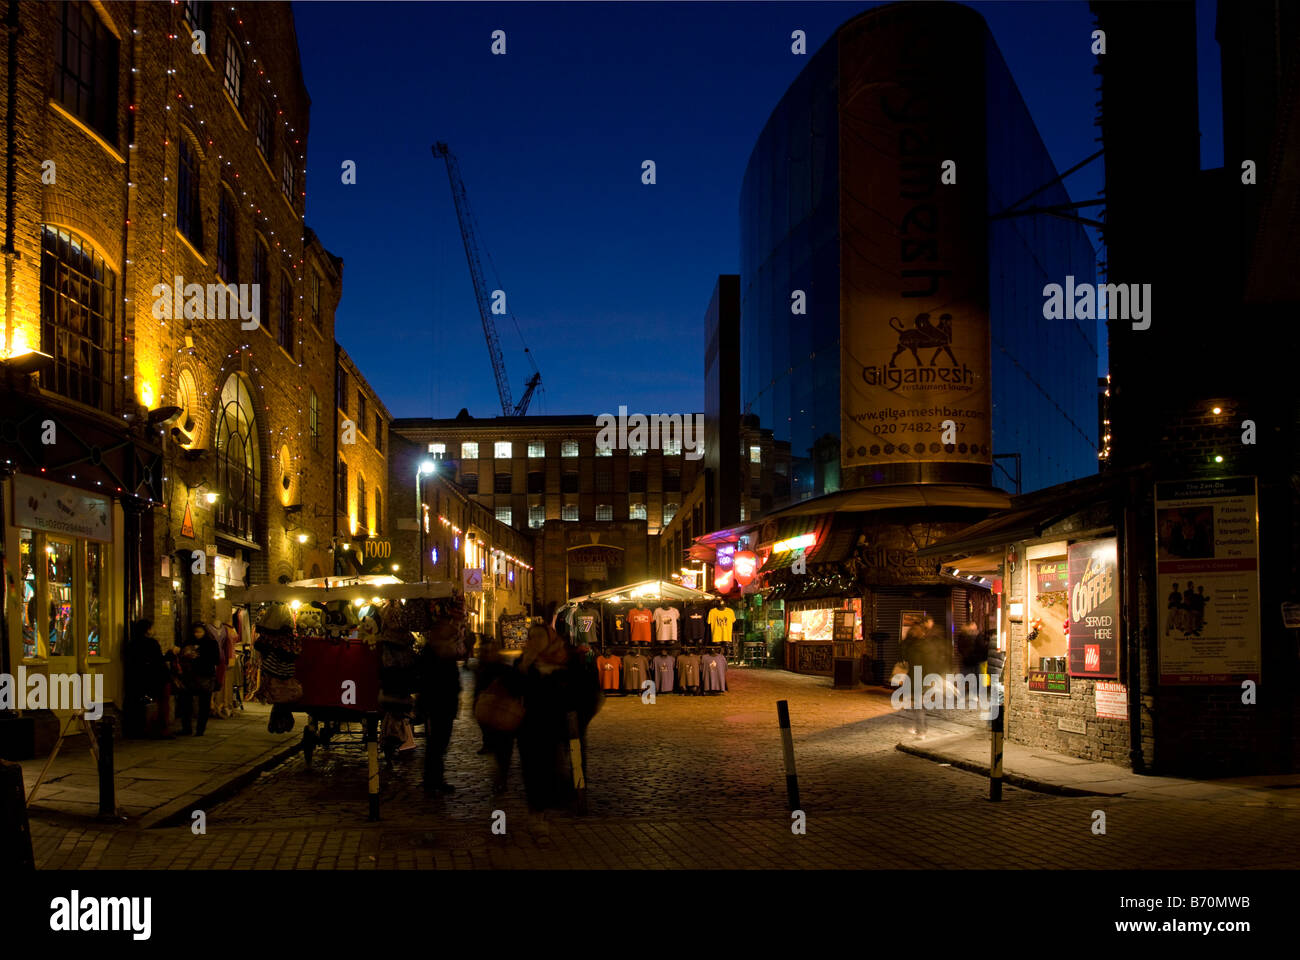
{"x":755,"y":454}
{"x":238,"y":463}
{"x":501,"y":450}
{"x":469,"y":450}
{"x":673,"y":447}
{"x":78,"y":306}
{"x":438,"y":450}
{"x":637,"y":511}
{"x":234,"y":70}
{"x":537,"y":448}
{"x":536,"y":516}
{"x":670,"y":511}
{"x":569,"y":448}
{"x":570,"y":511}
{"x":604,"y":511}
{"x":504,"y":514}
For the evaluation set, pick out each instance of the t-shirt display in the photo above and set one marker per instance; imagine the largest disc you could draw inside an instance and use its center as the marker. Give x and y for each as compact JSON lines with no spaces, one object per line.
{"x":720,"y":622}
{"x":587,"y":624}
{"x":616,"y":622}
{"x":695,"y":623}
{"x":666,"y":624}
{"x":688,"y":670}
{"x":713,"y":672}
{"x":664,"y":667}
{"x":639,"y":620}
{"x":608,"y":668}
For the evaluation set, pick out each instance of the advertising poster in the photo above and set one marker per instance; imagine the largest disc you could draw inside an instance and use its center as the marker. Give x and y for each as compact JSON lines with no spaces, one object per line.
{"x":1093,"y":590}
{"x":914,"y":329}
{"x":1207,"y":573}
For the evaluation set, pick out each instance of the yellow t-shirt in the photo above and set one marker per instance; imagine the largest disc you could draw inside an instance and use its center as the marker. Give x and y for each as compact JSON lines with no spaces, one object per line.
{"x":720,"y":621}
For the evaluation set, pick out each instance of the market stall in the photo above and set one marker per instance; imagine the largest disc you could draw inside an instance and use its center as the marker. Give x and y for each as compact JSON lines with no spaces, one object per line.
{"x":343,"y":651}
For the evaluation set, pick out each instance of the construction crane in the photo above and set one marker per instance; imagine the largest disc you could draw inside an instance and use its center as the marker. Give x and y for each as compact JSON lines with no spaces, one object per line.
{"x":461,"y":200}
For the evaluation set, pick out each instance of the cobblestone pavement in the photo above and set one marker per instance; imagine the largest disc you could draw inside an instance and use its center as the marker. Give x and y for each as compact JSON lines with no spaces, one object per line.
{"x":692,"y":782}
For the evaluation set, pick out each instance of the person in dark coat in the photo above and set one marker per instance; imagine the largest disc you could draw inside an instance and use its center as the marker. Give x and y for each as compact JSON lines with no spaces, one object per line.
{"x":438,"y":698}
{"x":544,"y":732}
{"x":924,"y":646}
{"x":491,"y":667}
{"x":148,"y":675}
{"x":196,"y":667}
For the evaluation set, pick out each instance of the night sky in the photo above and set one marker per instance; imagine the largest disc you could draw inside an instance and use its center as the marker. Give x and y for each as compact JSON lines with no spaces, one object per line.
{"x":608,"y":278}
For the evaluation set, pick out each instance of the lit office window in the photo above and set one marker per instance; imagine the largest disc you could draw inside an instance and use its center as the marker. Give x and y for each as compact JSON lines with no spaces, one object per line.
{"x":673,"y":447}
{"x":536,"y":516}
{"x":670,"y":511}
{"x":469,"y":450}
{"x":504,"y":514}
{"x":570,"y":511}
{"x":501,"y":450}
{"x":569,"y":448}
{"x":637,"y":511}
{"x":755,"y":454}
{"x":537,"y":448}
{"x":604,"y":512}
{"x":438,"y":450}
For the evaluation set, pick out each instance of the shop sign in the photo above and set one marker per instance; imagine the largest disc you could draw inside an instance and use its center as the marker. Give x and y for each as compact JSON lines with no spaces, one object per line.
{"x":1052,"y":576}
{"x":1112,"y":700}
{"x":1049,"y":681}
{"x":745,"y":566}
{"x":1093,"y":590}
{"x":843,"y":629}
{"x":473,"y":580}
{"x":914,"y":328}
{"x":725,"y":555}
{"x":56,"y":508}
{"x":1207,"y":580}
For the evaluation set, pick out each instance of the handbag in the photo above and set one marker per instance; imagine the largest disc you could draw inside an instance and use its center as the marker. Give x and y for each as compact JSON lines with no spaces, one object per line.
{"x":497,"y":710}
{"x":901,"y":667}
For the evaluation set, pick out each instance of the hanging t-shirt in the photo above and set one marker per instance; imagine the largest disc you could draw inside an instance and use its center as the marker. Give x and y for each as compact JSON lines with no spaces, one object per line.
{"x":695,"y":623}
{"x":713,"y":672}
{"x":616,"y":623}
{"x":688,"y":670}
{"x":608,"y":668}
{"x":636,"y":670}
{"x":666,"y":624}
{"x":720,"y":621}
{"x":586,"y":621}
{"x":663,"y":667}
{"x":639,"y":620}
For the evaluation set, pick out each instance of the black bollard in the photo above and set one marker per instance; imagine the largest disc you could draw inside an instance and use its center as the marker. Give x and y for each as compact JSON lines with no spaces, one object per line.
{"x":787,"y":742}
{"x":107,"y":789}
{"x":15,"y":833}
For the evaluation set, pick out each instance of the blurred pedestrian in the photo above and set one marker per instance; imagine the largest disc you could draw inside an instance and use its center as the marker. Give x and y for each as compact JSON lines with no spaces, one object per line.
{"x":972,"y":652}
{"x":544,"y":732}
{"x":196,"y":670}
{"x":926,"y":647}
{"x":438,"y":698}
{"x":148,"y":683}
{"x":491,"y":668}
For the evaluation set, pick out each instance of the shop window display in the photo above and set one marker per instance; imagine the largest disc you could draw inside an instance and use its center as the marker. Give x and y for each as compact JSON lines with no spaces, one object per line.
{"x":1047,"y":623}
{"x":66,"y":597}
{"x":33,"y":645}
{"x":60,"y":585}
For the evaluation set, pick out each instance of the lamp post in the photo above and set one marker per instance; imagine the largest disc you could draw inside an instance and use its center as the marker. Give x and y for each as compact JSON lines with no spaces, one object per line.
{"x":426,"y":466}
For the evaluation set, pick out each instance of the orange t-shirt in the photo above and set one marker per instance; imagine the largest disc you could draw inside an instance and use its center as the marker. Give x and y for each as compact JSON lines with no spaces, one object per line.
{"x":640,"y":620}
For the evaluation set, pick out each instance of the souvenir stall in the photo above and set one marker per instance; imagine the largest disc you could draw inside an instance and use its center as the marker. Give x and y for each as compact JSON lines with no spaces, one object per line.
{"x":675,"y":636}
{"x":344,"y":652}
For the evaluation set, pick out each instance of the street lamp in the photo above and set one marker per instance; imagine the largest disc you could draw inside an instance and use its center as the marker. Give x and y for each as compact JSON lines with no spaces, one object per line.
{"x":426,"y":466}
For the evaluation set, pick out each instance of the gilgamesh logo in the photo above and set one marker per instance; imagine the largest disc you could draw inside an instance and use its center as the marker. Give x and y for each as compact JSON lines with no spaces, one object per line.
{"x":892,"y":378}
{"x":922,"y":335}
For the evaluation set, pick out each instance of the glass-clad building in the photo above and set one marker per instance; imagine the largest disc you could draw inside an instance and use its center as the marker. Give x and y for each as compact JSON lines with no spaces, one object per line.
{"x":892,"y":327}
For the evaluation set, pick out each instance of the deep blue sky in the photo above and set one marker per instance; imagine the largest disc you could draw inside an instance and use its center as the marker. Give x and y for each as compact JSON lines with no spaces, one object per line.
{"x":608,"y":278}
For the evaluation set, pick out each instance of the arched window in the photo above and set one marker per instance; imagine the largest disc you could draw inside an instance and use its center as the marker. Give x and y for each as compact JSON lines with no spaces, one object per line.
{"x":238,"y":466}
{"x":189,"y":215}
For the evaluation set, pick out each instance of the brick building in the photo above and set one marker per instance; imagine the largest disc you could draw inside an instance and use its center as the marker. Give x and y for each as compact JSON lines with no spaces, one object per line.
{"x":170,"y":315}
{"x":361,"y":476}
{"x":597,"y":514}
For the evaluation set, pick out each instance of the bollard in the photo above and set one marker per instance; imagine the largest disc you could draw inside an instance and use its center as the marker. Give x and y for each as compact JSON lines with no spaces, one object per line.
{"x":995,"y":761}
{"x":791,"y":779}
{"x":107,"y":788}
{"x":575,"y":765}
{"x":15,"y":833}
{"x":372,"y":762}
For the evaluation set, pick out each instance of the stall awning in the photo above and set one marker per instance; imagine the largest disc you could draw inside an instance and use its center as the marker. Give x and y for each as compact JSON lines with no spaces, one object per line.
{"x":357,"y":588}
{"x":892,"y":496}
{"x":648,"y":590}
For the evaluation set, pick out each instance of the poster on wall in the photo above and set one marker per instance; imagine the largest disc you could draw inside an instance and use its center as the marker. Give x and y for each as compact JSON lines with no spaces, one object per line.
{"x":1094,"y":608}
{"x":910,"y":619}
{"x":1207,"y":578}
{"x":55,"y":508}
{"x":914,"y":326}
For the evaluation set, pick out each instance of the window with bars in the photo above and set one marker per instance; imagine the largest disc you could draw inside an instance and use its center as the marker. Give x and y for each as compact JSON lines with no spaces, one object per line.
{"x":313,"y":421}
{"x":537,"y":448}
{"x":501,"y":483}
{"x":505,"y":514}
{"x":264,"y":130}
{"x":570,"y":511}
{"x":604,"y":511}
{"x":636,"y":511}
{"x":234,"y":77}
{"x":227,"y":249}
{"x":189,"y":216}
{"x":536,"y":516}
{"x":501,"y":449}
{"x":469,"y":450}
{"x":604,"y":481}
{"x":285,"y":329}
{"x":569,"y":448}
{"x":85,"y":69}
{"x":670,"y":511}
{"x":78,"y":319}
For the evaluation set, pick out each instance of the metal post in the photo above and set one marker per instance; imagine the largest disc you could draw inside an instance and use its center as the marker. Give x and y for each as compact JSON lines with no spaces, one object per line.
{"x":787,"y":742}
{"x":995,"y":761}
{"x":372,"y":761}
{"x":107,"y":792}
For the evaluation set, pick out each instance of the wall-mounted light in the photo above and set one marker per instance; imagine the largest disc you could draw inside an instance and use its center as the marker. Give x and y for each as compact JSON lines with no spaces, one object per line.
{"x":210,"y":496}
{"x":1016,"y":610}
{"x":302,"y":538}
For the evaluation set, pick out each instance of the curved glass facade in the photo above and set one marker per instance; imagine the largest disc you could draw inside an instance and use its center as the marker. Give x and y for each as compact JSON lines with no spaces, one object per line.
{"x":794,"y":216}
